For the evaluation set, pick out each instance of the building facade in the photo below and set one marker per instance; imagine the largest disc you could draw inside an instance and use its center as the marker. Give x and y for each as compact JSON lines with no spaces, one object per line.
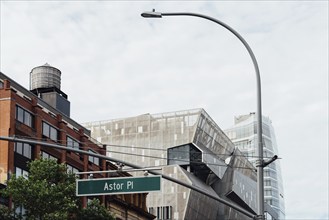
{"x":244,"y":136}
{"x":42,"y":114}
{"x":189,"y":146}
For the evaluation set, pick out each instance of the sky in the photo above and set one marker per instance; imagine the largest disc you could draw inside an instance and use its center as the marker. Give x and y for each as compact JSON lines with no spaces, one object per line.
{"x":116,"y":64}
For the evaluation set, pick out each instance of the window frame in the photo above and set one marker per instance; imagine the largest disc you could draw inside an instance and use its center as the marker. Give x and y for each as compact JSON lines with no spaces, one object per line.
{"x":24,"y":116}
{"x":47,"y":156}
{"x":92,"y":159}
{"x":71,"y":169}
{"x":22,"y":172}
{"x":72,"y":143}
{"x":48,"y":131}
{"x":23,"y":149}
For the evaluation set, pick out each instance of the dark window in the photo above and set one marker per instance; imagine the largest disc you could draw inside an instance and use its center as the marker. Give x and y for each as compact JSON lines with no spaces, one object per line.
{"x":49,"y":131}
{"x":71,"y":169}
{"x":24,"y":116}
{"x":24,"y":149}
{"x":72,"y":143}
{"x":92,"y":159}
{"x":45,"y":155}
{"x":27,"y":118}
{"x":162,"y":212}
{"x":184,"y":155}
{"x":20,"y":210}
{"x":21,"y":172}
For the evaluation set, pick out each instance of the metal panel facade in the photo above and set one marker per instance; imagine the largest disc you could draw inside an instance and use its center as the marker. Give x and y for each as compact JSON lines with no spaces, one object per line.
{"x":197,"y":150}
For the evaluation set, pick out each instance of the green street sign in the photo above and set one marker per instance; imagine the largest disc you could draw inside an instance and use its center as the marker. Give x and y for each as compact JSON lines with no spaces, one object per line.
{"x":122,"y":185}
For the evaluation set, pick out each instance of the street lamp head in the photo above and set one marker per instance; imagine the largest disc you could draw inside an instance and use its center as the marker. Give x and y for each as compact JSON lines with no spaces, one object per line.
{"x":151,"y":14}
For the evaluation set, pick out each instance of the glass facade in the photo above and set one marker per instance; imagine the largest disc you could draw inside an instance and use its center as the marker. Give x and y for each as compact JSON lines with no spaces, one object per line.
{"x":146,"y":135}
{"x":244,"y":136}
{"x":189,"y":146}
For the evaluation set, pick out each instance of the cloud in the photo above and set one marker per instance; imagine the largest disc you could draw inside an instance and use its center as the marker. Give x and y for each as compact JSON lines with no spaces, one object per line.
{"x":117,"y":64}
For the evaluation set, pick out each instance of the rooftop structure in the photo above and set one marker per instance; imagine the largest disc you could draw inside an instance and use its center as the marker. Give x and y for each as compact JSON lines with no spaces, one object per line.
{"x":45,"y":82}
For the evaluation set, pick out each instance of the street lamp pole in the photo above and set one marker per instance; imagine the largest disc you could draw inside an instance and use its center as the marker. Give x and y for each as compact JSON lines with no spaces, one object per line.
{"x":260,"y":160}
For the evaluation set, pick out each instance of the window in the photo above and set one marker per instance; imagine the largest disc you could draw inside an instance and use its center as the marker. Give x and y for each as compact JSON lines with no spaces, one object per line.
{"x":184,"y":155}
{"x":45,"y":129}
{"x":71,"y":169}
{"x":1,"y":84}
{"x":72,"y":143}
{"x":49,"y":131}
{"x":24,"y":116}
{"x":21,"y":172}
{"x":23,"y":149}
{"x":268,"y":192}
{"x":92,"y":159}
{"x":267,"y":183}
{"x":162,"y":212}
{"x":45,"y":155}
{"x":20,"y":210}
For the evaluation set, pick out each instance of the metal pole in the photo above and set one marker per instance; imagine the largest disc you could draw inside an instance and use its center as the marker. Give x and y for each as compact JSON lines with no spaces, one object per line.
{"x":61,"y":147}
{"x":260,"y":160}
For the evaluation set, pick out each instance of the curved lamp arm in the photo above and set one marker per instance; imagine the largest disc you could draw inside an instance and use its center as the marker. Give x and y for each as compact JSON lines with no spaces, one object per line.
{"x":260,"y":161}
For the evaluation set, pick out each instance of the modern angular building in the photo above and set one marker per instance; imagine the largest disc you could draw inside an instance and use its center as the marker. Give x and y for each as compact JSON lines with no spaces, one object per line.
{"x":244,"y":136}
{"x":189,"y":146}
{"x":43,"y":114}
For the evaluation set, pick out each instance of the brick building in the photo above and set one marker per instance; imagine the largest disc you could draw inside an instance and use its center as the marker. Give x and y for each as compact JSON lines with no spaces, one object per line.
{"x":42,"y":114}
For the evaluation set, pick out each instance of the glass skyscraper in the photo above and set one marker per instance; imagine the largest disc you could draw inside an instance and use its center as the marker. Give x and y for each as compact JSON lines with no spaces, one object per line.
{"x":244,"y":135}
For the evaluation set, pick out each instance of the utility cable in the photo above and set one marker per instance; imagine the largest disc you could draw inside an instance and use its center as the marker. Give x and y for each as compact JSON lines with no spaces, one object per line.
{"x":176,"y":159}
{"x":148,"y":156}
{"x":63,"y":143}
{"x":157,"y":149}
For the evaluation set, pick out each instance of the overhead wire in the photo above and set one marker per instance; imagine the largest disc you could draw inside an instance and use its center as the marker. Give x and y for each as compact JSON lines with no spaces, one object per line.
{"x":158,"y":149}
{"x":148,"y":148}
{"x":154,"y":157}
{"x":177,"y":159}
